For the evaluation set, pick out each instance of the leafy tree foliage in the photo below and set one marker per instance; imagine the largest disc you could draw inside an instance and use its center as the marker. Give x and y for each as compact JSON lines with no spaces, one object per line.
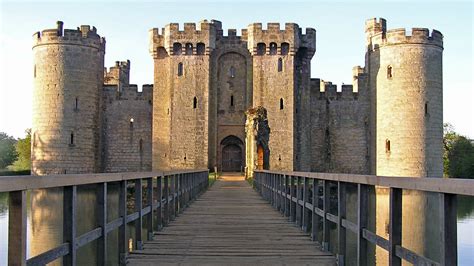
{"x":7,"y":150}
{"x":458,"y":154}
{"x":23,"y":149}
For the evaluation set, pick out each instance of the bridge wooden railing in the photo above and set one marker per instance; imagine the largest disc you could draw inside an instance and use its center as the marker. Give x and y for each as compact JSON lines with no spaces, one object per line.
{"x":291,"y":193}
{"x":174,"y":191}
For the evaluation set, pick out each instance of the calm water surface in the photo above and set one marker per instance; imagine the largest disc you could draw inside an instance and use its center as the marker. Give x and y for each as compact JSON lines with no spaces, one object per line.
{"x":45,"y":224}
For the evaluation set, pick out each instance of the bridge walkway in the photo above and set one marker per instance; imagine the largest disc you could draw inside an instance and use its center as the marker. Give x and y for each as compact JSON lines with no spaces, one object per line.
{"x":230,"y":224}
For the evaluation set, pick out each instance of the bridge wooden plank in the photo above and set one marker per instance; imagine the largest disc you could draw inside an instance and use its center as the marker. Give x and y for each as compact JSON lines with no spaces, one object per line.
{"x":231,"y":224}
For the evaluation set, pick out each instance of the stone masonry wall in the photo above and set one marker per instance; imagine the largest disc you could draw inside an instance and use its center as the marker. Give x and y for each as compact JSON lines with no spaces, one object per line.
{"x":340,"y":125}
{"x":406,"y":76}
{"x":68,"y":67}
{"x":126,"y":128}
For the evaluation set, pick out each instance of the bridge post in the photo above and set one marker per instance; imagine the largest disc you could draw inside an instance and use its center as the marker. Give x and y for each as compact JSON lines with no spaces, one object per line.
{"x":448,"y":214}
{"x":292,"y":203}
{"x":362,"y":222}
{"x":281,"y":201}
{"x":69,"y":223}
{"x":314,"y":218}
{"x":299,"y":209}
{"x":287,"y":201}
{"x":173,"y":199}
{"x":166,"y":218}
{"x":341,"y":230}
{"x":305,"y":200}
{"x":159,"y":215}
{"x":181,"y":192}
{"x":122,"y":238}
{"x":102,"y":222}
{"x":326,"y":192}
{"x":395,"y":226}
{"x":176,"y":195}
{"x":17,"y":228}
{"x":272,"y":190}
{"x":150,"y":200}
{"x":139,"y":209}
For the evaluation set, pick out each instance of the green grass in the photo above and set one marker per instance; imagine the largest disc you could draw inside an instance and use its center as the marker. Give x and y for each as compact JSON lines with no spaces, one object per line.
{"x":250,"y":180}
{"x":212,"y":178}
{"x":6,"y":172}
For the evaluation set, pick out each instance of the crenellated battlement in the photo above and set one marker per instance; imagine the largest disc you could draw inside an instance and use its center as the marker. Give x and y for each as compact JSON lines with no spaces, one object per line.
{"x":292,"y":35}
{"x":131,"y":92}
{"x":326,"y":90}
{"x":83,"y":35}
{"x":378,"y":35}
{"x":174,"y":40}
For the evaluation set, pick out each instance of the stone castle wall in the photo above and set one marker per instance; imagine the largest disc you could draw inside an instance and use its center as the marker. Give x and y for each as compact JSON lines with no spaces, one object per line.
{"x":90,"y":119}
{"x":406,"y":77}
{"x":182,"y":71}
{"x":340,"y":126}
{"x":68,"y":78}
{"x":126,"y":128}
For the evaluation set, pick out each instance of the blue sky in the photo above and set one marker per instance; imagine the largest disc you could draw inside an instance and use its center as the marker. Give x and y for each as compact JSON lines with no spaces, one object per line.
{"x":339,"y":42}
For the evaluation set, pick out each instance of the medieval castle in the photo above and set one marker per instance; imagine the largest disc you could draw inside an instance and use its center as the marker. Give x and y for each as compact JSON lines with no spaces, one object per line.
{"x":238,"y":102}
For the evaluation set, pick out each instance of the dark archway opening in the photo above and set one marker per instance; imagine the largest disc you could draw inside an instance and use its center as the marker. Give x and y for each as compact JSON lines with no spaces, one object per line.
{"x":232,"y":154}
{"x":231,"y":158}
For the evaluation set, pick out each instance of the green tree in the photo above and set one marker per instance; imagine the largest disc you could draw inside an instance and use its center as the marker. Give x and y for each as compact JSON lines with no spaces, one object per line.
{"x":458,"y":154}
{"x":23,"y":149}
{"x":7,"y":150}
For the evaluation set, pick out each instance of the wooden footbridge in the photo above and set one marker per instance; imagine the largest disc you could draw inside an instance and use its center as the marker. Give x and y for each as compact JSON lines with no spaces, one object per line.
{"x":231,"y":224}
{"x":189,"y":222}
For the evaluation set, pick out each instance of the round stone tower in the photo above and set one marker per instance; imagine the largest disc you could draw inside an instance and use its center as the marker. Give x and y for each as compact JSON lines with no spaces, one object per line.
{"x":406,"y":81}
{"x":68,"y":79}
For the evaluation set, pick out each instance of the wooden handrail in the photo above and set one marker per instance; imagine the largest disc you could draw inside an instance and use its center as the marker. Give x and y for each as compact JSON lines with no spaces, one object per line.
{"x":289,"y":192}
{"x":175,"y":190}
{"x":456,"y":186}
{"x":26,"y":182}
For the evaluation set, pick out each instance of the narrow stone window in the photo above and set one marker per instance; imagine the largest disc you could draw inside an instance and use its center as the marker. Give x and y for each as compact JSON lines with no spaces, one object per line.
{"x":261,"y":48}
{"x":232,"y":72}
{"x":177,"y":48}
{"x":273,"y":48}
{"x":34,"y":71}
{"x":281,"y":103}
{"x":180,"y":69}
{"x":200,"y":48}
{"x":76,"y":104}
{"x":280,"y":65}
{"x":195,"y":102}
{"x":131,"y":122}
{"x":71,"y":139}
{"x":387,"y":146}
{"x":426,"y":109}
{"x":140,"y":146}
{"x":232,"y":100}
{"x":285,"y":48}
{"x":189,"y":49}
{"x":389,"y":72}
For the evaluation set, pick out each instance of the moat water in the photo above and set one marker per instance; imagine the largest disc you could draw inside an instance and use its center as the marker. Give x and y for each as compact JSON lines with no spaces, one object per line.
{"x":45,"y":225}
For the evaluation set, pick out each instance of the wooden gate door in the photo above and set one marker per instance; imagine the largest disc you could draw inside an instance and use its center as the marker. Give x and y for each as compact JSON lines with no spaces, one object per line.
{"x":231,"y":158}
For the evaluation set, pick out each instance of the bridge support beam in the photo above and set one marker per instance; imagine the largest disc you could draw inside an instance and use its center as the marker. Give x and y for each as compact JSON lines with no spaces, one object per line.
{"x":17,"y":228}
{"x":395,"y":226}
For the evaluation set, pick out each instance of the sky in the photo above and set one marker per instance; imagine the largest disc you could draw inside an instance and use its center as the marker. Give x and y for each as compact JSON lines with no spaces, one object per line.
{"x":340,"y":40}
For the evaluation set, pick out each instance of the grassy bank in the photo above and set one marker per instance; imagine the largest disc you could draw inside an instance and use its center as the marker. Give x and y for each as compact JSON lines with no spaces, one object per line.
{"x":6,"y":172}
{"x":212,"y":178}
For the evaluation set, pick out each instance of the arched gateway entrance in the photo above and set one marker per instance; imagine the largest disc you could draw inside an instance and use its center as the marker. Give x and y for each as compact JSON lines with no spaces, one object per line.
{"x":232,"y":154}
